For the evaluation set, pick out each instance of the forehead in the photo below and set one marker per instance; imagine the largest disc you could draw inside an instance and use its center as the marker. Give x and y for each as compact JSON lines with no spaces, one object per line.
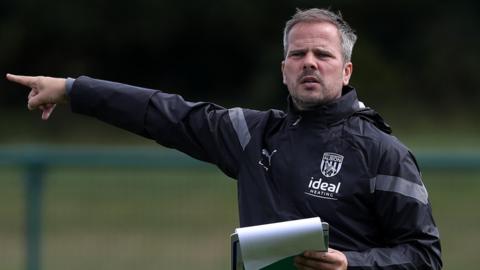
{"x":323,"y":34}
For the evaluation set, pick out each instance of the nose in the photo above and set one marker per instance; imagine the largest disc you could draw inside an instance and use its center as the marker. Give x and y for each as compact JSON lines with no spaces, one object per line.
{"x":309,"y":61}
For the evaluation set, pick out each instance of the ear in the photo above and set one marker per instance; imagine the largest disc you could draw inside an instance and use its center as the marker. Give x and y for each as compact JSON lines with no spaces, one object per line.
{"x":283,"y":73}
{"x":347,"y":72}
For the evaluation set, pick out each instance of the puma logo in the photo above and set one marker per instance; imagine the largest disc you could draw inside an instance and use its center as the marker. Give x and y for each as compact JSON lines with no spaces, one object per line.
{"x":268,"y":157}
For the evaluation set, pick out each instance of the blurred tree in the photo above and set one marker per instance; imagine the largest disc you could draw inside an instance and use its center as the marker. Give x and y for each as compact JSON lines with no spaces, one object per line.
{"x":411,"y":56}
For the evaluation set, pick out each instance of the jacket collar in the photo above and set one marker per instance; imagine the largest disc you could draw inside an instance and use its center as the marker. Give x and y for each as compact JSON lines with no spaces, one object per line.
{"x":327,"y":114}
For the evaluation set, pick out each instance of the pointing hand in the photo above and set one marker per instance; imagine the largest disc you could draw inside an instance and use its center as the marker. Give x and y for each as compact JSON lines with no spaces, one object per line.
{"x":45,"y":93}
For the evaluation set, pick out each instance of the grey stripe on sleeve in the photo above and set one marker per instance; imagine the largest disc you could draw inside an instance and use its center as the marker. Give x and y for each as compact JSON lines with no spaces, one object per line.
{"x":364,"y":259}
{"x":399,"y":185}
{"x":68,"y":85}
{"x":240,"y":125}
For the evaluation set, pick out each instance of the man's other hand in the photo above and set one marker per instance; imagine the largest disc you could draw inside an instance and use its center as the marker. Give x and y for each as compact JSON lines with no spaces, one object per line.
{"x":45,"y":93}
{"x":312,"y":260}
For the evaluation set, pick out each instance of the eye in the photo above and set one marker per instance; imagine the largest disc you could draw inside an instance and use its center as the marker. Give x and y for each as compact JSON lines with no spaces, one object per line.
{"x":322,"y":55}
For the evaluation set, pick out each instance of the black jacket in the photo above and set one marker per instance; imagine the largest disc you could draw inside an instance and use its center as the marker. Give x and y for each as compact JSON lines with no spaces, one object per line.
{"x":338,"y":162}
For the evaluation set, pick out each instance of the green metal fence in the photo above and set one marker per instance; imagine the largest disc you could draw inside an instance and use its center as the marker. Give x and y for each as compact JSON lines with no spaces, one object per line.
{"x":35,"y":160}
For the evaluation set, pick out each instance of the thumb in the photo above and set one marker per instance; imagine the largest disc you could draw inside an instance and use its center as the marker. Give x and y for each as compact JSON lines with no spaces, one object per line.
{"x":47,"y":111}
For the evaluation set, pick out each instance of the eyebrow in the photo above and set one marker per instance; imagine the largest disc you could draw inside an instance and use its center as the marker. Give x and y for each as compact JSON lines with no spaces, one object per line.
{"x":323,"y":51}
{"x":296,"y":51}
{"x":315,"y":50}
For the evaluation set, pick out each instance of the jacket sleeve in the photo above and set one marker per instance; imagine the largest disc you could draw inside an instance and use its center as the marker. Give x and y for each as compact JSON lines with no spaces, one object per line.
{"x":403,"y":212}
{"x":202,"y":130}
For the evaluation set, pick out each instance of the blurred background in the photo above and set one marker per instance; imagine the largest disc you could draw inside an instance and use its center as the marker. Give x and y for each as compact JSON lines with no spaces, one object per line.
{"x":415,"y":62}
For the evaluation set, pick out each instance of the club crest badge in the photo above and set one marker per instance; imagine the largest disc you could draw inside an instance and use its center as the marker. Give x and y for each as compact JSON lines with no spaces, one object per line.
{"x":331,"y":164}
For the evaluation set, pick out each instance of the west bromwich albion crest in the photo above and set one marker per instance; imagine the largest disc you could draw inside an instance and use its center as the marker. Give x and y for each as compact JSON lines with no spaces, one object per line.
{"x":331,"y":164}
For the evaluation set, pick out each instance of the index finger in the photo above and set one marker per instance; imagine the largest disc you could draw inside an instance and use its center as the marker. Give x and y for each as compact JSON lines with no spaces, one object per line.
{"x":23,"y":80}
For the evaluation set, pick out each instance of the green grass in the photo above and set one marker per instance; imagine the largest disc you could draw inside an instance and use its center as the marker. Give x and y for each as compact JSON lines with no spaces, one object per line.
{"x":150,"y":219}
{"x":124,"y":219}
{"x":11,"y":220}
{"x":455,"y":198}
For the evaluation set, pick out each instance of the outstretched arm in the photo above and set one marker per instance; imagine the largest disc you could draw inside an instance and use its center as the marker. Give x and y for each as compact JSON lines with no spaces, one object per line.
{"x":203,"y":130}
{"x":45,"y":93}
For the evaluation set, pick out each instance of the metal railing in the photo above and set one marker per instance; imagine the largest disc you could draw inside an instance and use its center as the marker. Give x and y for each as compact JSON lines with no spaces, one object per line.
{"x":35,"y":160}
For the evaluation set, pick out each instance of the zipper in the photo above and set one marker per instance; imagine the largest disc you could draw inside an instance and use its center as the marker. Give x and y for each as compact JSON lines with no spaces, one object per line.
{"x":297,"y":121}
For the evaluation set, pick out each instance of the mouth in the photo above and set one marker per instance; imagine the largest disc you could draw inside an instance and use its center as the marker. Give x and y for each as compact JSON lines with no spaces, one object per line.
{"x":309,"y":80}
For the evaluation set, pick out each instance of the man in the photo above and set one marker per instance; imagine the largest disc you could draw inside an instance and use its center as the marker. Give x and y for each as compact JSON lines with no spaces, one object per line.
{"x":327,"y":156}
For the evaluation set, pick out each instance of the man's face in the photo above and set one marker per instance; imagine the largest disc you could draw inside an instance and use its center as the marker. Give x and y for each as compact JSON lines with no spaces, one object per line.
{"x":314,"y":70}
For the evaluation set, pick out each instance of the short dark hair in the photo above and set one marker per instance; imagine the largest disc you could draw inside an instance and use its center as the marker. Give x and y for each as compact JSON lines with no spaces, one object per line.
{"x":347,"y":35}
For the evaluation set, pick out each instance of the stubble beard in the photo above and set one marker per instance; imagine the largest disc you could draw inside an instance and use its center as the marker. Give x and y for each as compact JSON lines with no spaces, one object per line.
{"x":303,"y":99}
{"x":305,"y":103}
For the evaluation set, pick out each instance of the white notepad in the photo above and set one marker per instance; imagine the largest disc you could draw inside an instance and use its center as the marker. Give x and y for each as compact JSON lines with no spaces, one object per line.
{"x":264,"y":246}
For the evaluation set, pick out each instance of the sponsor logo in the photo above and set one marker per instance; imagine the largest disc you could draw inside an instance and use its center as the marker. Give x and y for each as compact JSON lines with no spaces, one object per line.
{"x":321,"y":189}
{"x":266,"y":160}
{"x":331,"y":164}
